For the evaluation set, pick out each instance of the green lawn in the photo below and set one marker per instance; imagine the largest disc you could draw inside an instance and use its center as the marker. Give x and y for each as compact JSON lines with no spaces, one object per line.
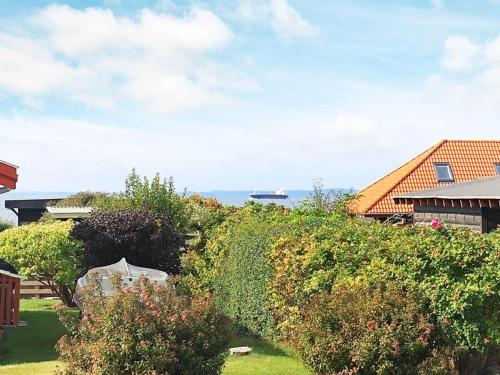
{"x":267,"y":359}
{"x":30,"y":349}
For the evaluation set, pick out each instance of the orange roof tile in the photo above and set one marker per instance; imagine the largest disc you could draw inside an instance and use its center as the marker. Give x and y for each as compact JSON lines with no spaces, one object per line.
{"x":469,"y":160}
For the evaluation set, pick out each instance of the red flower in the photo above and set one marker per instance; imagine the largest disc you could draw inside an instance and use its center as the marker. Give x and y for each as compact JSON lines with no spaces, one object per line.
{"x":436,"y":224}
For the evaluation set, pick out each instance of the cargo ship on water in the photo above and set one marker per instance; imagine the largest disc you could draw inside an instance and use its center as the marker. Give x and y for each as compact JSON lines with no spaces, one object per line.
{"x":278,"y":194}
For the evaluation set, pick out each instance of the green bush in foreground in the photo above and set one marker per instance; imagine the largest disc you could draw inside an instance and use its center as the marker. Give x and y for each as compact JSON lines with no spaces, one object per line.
{"x":146,"y":329}
{"x":360,"y":329}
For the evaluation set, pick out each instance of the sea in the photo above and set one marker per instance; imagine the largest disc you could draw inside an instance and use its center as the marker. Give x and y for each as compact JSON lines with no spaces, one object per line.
{"x":229,"y":198}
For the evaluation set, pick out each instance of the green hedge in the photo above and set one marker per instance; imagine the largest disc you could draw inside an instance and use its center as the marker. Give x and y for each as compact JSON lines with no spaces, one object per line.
{"x":241,"y":251}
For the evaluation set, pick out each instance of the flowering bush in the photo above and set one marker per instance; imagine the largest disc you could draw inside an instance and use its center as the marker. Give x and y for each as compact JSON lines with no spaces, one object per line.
{"x":360,"y":329}
{"x":145,"y":329}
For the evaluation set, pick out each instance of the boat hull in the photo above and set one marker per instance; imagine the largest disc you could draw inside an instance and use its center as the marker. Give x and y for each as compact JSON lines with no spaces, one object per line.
{"x":269,"y":196}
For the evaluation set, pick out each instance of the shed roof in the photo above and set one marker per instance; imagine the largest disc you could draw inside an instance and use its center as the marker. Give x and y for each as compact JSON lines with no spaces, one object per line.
{"x":469,"y":160}
{"x":33,"y":204}
{"x":485,"y":188}
{"x":69,"y":212}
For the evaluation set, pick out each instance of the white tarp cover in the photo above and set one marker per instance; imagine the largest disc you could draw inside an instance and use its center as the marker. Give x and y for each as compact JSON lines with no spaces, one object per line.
{"x":128,"y":272}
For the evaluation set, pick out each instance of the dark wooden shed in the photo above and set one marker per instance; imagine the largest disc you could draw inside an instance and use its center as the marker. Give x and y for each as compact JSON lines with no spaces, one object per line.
{"x":473,"y":204}
{"x":29,"y":210}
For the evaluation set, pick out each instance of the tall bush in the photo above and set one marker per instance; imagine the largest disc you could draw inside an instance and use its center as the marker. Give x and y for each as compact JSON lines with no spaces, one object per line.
{"x":145,"y":329}
{"x":145,"y":239}
{"x":45,"y":252}
{"x":234,"y":265}
{"x":158,"y":196}
{"x":242,"y":269}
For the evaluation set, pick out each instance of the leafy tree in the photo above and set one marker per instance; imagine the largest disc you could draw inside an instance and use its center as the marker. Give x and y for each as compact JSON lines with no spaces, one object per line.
{"x":45,"y":252}
{"x":145,"y":239}
{"x":323,"y":201}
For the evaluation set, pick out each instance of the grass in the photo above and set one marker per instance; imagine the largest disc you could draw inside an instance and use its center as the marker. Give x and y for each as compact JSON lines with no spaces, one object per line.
{"x":30,"y":349}
{"x":267,"y":359}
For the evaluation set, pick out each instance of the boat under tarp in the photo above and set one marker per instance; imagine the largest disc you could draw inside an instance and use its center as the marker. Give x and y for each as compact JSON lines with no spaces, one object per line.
{"x":128,"y":272}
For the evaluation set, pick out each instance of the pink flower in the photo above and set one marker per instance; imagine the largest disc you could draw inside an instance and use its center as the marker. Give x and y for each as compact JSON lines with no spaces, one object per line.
{"x":436,"y":224}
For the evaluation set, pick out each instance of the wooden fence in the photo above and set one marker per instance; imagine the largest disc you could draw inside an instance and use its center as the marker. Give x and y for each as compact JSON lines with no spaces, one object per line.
{"x":9,"y":299}
{"x":35,"y":289}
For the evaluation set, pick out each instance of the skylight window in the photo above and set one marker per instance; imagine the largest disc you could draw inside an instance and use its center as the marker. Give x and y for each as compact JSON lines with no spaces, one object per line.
{"x":443,"y":172}
{"x":497,"y":167}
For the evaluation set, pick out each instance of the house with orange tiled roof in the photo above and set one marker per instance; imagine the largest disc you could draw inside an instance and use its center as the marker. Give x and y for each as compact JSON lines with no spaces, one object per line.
{"x":445,"y":163}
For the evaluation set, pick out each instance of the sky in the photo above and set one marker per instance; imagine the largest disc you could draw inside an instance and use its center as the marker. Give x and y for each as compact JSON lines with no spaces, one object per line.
{"x":240,"y":94}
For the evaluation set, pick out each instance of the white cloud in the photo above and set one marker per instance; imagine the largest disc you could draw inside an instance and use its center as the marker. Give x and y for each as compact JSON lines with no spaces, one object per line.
{"x":479,"y":68}
{"x":100,"y":59}
{"x":284,"y":19}
{"x":460,"y":54}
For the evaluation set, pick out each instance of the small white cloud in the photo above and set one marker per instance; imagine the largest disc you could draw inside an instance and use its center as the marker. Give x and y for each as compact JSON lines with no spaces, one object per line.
{"x":284,"y":19}
{"x":460,"y":54}
{"x":288,"y":22}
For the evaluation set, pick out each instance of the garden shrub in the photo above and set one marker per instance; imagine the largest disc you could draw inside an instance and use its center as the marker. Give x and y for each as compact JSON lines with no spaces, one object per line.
{"x":158,"y":196}
{"x":144,"y":329}
{"x":381,"y":329}
{"x":45,"y":252}
{"x":144,"y":239}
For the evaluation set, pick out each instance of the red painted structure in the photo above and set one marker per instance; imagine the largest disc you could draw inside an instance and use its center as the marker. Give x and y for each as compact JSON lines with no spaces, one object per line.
{"x":8,"y":176}
{"x":10,"y":284}
{"x":10,"y":287}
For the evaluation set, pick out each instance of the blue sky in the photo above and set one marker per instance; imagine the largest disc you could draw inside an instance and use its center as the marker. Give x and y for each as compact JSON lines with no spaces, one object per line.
{"x":240,"y":94}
